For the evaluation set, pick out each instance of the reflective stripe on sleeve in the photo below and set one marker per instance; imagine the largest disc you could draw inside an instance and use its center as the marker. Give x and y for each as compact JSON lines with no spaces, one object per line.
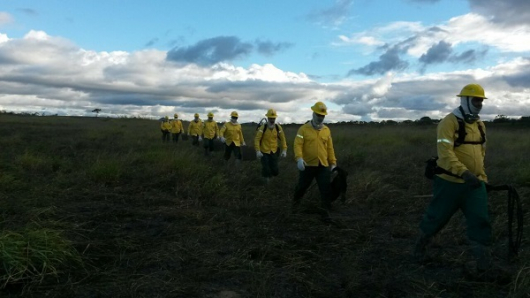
{"x":300,"y":136}
{"x":444,"y":141}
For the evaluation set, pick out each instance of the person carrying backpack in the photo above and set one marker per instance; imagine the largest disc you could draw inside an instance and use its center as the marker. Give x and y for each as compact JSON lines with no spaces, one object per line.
{"x":176,"y":128}
{"x":165,"y":127}
{"x":267,"y":145}
{"x":315,"y":159}
{"x":210,"y":131}
{"x":232,"y":135}
{"x":461,"y":146}
{"x":195,"y":130}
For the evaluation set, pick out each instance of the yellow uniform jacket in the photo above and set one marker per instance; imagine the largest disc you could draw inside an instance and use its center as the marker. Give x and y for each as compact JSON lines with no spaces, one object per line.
{"x":464,"y":157}
{"x":195,"y":128}
{"x":210,"y":129}
{"x":165,"y":125}
{"x":314,"y":146}
{"x":232,"y":133}
{"x":176,"y":126}
{"x":266,"y":139}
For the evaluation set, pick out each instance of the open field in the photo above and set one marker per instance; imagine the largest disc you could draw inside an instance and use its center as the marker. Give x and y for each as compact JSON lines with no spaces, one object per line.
{"x":93,"y":207}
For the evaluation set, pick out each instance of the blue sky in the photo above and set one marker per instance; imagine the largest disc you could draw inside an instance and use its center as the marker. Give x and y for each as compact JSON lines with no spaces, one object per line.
{"x":367,"y":60}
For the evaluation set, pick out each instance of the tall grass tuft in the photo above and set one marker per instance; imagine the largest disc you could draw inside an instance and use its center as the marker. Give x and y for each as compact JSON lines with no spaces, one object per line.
{"x":33,"y":254}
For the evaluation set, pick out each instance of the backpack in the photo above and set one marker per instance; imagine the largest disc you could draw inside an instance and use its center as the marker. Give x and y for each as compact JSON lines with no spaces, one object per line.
{"x":262,"y":123}
{"x":432,"y":168}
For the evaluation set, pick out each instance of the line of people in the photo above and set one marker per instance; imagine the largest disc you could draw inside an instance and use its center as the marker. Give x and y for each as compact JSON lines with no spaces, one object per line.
{"x":313,"y":148}
{"x":462,"y":186}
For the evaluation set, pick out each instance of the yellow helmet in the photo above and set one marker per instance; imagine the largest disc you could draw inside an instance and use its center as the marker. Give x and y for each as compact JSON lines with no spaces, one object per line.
{"x":320,"y":108}
{"x":234,"y":114}
{"x":196,"y":115}
{"x":472,"y":90}
{"x":271,"y":113}
{"x":210,"y":115}
{"x":176,"y":115}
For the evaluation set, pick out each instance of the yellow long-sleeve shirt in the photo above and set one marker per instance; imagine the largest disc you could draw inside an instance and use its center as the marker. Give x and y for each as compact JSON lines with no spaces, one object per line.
{"x":210,"y":129}
{"x":165,"y":125}
{"x":266,"y":139}
{"x":176,"y":126}
{"x":195,"y":128}
{"x":314,"y":146}
{"x":464,"y":157}
{"x":232,"y":133}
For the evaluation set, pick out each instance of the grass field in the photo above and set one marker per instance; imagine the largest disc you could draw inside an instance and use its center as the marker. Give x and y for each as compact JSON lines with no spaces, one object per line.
{"x":95,"y":207}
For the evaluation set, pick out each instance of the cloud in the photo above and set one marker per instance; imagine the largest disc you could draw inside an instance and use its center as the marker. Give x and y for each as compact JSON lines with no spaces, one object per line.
{"x":507,"y":12}
{"x":211,"y":51}
{"x":29,"y":11}
{"x":5,"y":18}
{"x":390,"y":60}
{"x":333,"y":16}
{"x":151,"y":42}
{"x":437,"y":53}
{"x":268,"y":48}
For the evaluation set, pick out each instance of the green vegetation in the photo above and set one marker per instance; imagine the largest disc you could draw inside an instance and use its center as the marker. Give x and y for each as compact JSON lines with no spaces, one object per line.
{"x":98,"y":207}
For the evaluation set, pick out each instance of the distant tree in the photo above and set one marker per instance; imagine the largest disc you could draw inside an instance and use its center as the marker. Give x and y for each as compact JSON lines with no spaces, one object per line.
{"x":425,"y":120}
{"x":96,"y":111}
{"x":501,"y":119}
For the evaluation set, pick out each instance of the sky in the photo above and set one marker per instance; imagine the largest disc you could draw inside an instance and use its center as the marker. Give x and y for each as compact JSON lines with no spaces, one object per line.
{"x":367,"y":60}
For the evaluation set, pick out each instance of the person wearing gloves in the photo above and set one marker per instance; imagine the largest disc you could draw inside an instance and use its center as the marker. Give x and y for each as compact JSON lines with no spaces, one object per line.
{"x":195,"y":130}
{"x":232,"y":135}
{"x":315,"y":158}
{"x":176,"y":128}
{"x":463,"y":187}
{"x":210,"y":131}
{"x":267,"y":146}
{"x":165,"y":127}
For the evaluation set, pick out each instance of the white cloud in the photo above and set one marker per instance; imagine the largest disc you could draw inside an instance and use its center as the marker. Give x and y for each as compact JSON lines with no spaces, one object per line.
{"x":5,"y":18}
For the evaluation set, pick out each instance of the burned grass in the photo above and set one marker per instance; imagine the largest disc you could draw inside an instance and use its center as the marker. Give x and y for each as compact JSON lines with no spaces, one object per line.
{"x":133,"y":217}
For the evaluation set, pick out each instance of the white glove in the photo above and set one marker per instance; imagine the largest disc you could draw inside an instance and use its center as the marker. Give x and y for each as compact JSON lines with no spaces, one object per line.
{"x":243,"y":144}
{"x":284,"y":153}
{"x":332,"y":167}
{"x":222,"y":139}
{"x":259,"y":154}
{"x":301,"y":164}
{"x":200,"y":139}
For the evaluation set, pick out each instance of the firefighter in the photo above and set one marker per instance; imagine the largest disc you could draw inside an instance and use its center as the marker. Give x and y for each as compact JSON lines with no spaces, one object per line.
{"x":165,"y":127}
{"x":462,"y":186}
{"x":232,"y":135}
{"x":176,"y":128}
{"x":315,"y":159}
{"x":267,"y":144}
{"x":195,"y":130}
{"x":210,"y":131}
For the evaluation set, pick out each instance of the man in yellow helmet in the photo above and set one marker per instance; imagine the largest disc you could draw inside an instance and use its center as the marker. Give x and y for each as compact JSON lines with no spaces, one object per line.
{"x":232,"y":135}
{"x":461,"y":149}
{"x":210,"y":131}
{"x":165,"y":127}
{"x":267,"y":146}
{"x":315,"y":158}
{"x":195,"y":130}
{"x":176,"y":128}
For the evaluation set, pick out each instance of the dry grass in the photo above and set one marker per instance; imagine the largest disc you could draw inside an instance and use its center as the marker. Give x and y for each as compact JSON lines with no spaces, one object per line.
{"x":133,"y":217}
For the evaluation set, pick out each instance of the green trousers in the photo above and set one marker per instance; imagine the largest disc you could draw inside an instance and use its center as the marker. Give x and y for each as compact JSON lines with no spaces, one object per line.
{"x":448,"y":198}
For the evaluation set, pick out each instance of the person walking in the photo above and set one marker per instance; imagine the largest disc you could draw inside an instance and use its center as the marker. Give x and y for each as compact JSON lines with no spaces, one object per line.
{"x":462,"y":186}
{"x":195,"y":130}
{"x":267,"y":144}
{"x":232,"y":135}
{"x":165,"y":127}
{"x":210,"y":131}
{"x":315,"y":158}
{"x":176,"y":128}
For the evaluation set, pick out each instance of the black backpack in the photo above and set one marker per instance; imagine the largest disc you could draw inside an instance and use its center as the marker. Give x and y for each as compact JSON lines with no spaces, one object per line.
{"x":432,"y":168}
